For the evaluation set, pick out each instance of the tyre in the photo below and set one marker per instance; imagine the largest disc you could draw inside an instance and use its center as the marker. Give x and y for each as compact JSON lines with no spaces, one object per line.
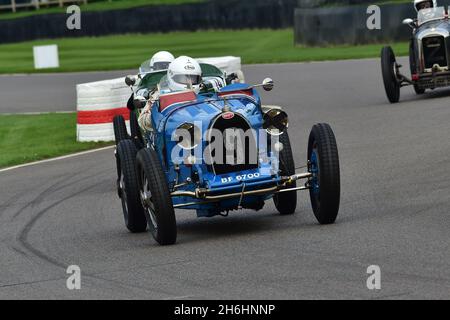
{"x":413,"y":67}
{"x":133,"y":212}
{"x":418,"y":90}
{"x":323,"y":160}
{"x":155,"y":197}
{"x":120,"y":129}
{"x":286,"y":202}
{"x":120,"y":133}
{"x":388,"y":66}
{"x":136,"y":131}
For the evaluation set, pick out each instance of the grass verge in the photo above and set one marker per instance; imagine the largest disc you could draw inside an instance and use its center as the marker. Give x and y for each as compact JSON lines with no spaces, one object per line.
{"x":128,"y":51}
{"x":28,"y":138}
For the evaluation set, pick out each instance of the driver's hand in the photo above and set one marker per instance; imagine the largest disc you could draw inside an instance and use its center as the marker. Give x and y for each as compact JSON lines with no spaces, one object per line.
{"x":211,"y":85}
{"x":143,"y":93}
{"x":231,"y":77}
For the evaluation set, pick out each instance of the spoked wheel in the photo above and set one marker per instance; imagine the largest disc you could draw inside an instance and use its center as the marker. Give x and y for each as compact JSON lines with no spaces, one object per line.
{"x":128,"y":188}
{"x":323,"y":160}
{"x":286,"y":202}
{"x":135,"y":131}
{"x":155,"y":197}
{"x":389,"y":71}
{"x":120,"y":133}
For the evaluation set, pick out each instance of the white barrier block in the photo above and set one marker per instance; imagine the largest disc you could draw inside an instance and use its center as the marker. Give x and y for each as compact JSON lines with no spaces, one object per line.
{"x":228,"y":64}
{"x":102,"y":95}
{"x":46,"y":57}
{"x":102,"y":132}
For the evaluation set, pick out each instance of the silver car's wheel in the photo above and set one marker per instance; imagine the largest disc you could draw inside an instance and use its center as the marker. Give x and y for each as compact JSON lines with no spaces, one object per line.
{"x":389,"y":72}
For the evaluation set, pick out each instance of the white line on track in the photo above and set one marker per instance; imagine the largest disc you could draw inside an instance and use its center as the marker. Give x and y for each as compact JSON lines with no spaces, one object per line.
{"x":55,"y":159}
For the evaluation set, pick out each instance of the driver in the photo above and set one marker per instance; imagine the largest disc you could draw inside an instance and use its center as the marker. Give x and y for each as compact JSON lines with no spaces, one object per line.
{"x":160,"y":61}
{"x":424,"y":4}
{"x":184,"y":73}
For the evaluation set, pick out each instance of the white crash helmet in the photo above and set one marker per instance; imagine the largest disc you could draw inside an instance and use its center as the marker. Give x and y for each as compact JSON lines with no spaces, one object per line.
{"x":417,"y":3}
{"x":161,"y":60}
{"x":184,"y":73}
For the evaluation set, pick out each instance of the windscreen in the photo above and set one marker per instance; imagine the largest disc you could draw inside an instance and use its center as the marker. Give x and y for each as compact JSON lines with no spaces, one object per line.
{"x":151,"y":80}
{"x":430,"y":14}
{"x":145,"y":67}
{"x":208,"y":70}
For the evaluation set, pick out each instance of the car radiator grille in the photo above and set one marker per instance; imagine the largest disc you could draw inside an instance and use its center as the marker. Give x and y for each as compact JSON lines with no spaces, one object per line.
{"x":437,"y":82}
{"x":434,"y":52}
{"x":242,"y":151}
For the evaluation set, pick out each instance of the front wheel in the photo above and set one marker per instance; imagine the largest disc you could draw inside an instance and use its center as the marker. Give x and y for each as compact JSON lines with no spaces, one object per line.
{"x":388,"y":69}
{"x":286,"y":202}
{"x":323,"y":160}
{"x":418,"y":90}
{"x":155,"y":197}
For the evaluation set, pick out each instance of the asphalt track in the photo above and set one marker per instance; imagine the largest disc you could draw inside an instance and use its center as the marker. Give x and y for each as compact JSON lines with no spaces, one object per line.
{"x":45,"y":92}
{"x":394,"y":213}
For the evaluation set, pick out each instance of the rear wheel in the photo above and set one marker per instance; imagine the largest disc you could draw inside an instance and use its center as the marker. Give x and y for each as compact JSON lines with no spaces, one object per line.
{"x":120,"y":129}
{"x":128,"y":188}
{"x":418,"y":90}
{"x":413,"y":67}
{"x":388,"y":69}
{"x":155,"y":197}
{"x":323,"y":160}
{"x":136,"y":131}
{"x":286,"y":202}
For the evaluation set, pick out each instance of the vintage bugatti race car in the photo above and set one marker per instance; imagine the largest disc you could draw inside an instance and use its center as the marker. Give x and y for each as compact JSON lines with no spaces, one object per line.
{"x":189,"y":160}
{"x":429,"y":55}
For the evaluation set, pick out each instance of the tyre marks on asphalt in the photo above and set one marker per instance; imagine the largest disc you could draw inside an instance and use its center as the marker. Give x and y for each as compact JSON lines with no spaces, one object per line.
{"x":21,"y":244}
{"x":24,"y":247}
{"x":23,"y":234}
{"x":40,"y":197}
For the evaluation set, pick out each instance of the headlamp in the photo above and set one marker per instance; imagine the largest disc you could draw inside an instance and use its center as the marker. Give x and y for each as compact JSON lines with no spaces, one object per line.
{"x":275,"y":121}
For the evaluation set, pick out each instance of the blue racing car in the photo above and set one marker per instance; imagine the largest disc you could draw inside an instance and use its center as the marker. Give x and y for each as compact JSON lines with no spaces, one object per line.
{"x":214,"y":152}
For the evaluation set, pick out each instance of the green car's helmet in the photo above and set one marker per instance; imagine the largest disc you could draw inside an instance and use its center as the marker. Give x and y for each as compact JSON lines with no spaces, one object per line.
{"x":424,"y":4}
{"x":161,"y":60}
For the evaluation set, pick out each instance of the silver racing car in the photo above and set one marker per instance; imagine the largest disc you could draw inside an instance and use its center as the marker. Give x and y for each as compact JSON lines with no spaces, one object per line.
{"x":429,"y":55}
